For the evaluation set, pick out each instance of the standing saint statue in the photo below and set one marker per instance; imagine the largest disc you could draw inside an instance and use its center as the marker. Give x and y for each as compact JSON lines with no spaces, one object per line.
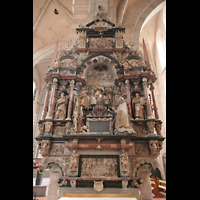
{"x":138,"y":107}
{"x":61,"y":107}
{"x":122,"y":122}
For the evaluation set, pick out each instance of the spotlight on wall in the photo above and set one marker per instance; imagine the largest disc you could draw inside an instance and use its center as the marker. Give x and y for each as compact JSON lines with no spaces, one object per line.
{"x":55,"y":11}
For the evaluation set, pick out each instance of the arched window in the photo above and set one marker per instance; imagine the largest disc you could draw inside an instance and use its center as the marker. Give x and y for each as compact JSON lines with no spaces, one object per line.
{"x":161,"y":48}
{"x":34,"y":90}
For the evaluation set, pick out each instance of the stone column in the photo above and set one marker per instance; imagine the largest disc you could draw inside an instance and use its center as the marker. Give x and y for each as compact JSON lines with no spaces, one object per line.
{"x":70,"y":99}
{"x":55,"y":174}
{"x":145,"y":189}
{"x":145,"y":85}
{"x":128,"y":97}
{"x":154,"y":101}
{"x":51,"y":105}
{"x":46,"y":102}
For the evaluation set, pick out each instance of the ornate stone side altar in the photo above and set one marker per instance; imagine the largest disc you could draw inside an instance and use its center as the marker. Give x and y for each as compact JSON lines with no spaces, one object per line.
{"x":100,"y":126}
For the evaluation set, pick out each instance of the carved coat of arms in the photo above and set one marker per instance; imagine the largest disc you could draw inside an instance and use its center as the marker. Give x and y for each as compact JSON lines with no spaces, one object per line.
{"x":98,"y":186}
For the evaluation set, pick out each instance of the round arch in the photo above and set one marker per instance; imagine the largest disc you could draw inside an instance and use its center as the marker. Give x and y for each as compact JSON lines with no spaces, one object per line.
{"x":140,"y":16}
{"x":98,"y":54}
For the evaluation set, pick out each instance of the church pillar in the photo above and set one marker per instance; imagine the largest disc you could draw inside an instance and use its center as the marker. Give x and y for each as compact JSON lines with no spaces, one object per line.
{"x":70,"y":99}
{"x":154,"y":101}
{"x":128,"y":97}
{"x":53,"y":187}
{"x":51,"y":105}
{"x":46,"y":102}
{"x":145,"y":189}
{"x":145,"y":85}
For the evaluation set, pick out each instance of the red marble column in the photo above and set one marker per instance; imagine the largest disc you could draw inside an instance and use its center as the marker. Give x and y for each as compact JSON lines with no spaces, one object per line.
{"x":46,"y":102}
{"x":51,"y":105}
{"x":145,"y":85}
{"x":154,"y":101}
{"x":128,"y":97}
{"x":70,"y":99}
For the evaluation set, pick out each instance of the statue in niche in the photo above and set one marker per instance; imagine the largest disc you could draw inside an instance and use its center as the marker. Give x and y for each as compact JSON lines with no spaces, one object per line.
{"x":93,"y":99}
{"x":109,"y":92}
{"x":99,"y":93}
{"x":116,"y":96}
{"x":87,"y":98}
{"x":82,"y":39}
{"x":61,"y":107}
{"x":139,"y":108}
{"x":122,"y":122}
{"x":124,"y":163}
{"x":78,"y":115}
{"x":119,"y":39}
{"x":74,"y":163}
{"x":75,"y":119}
{"x":57,"y":63}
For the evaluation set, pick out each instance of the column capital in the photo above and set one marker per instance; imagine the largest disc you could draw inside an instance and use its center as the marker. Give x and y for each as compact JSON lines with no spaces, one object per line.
{"x":144,"y":81}
{"x":152,"y":87}
{"x":72,"y":81}
{"x":55,"y":81}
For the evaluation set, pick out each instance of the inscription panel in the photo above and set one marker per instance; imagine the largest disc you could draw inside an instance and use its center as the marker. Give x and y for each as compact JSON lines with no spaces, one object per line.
{"x":99,"y":126}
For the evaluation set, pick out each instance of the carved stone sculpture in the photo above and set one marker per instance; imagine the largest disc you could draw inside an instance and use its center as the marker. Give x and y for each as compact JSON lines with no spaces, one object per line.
{"x":101,"y":167}
{"x":138,"y":107}
{"x":82,"y":39}
{"x":153,"y":147}
{"x":44,"y":146}
{"x":150,"y":126}
{"x":74,"y":165}
{"x":41,"y":128}
{"x":48,"y":127}
{"x":124,"y":166}
{"x":122,"y":122}
{"x":119,"y":39}
{"x":98,"y":186}
{"x":61,"y":108}
{"x":57,"y":149}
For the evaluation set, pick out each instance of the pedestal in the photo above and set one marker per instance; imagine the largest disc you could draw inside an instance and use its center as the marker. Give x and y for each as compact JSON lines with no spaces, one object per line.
{"x":53,"y":187}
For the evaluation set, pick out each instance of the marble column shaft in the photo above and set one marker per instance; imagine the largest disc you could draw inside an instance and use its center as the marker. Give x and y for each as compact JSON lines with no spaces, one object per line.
{"x":70,"y":100}
{"x":51,"y":105}
{"x":154,"y":101}
{"x":46,"y":102}
{"x":145,"y":85}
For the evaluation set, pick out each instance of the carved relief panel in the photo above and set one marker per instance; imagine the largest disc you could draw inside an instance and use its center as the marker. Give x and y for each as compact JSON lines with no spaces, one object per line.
{"x":99,"y":167}
{"x":57,"y":149}
{"x":141,"y":148}
{"x":59,"y":131}
{"x":101,"y":43}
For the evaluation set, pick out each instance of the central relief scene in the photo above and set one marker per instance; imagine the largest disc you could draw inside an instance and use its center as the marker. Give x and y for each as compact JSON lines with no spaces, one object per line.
{"x":99,"y":167}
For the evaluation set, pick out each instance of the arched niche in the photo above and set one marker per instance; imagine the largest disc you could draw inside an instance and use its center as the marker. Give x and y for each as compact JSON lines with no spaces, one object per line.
{"x":100,"y":69}
{"x":82,"y":65}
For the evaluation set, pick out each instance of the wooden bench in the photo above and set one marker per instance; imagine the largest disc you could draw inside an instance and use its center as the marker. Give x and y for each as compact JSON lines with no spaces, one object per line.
{"x":155,"y":186}
{"x":162,"y":185}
